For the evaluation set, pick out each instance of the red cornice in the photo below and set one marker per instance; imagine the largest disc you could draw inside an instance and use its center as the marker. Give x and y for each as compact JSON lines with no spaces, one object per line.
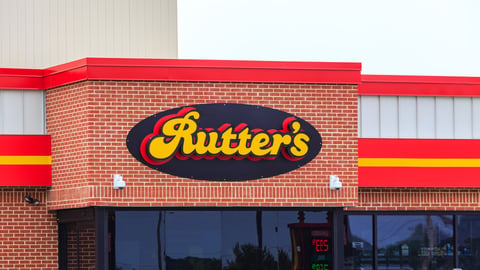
{"x":17,"y":78}
{"x":419,"y":85}
{"x":181,"y":70}
{"x":237,"y":71}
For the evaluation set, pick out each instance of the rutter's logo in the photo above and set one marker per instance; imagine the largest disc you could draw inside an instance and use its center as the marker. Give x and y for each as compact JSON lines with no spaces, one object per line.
{"x":179,"y":135}
{"x":224,"y":142}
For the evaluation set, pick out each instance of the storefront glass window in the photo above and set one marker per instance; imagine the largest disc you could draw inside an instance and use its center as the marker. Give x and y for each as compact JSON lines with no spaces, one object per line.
{"x":222,"y":240}
{"x":239,"y":239}
{"x":415,"y":242}
{"x":137,"y":240}
{"x":276,"y":236}
{"x":468,"y":240}
{"x":193,"y":240}
{"x":359,"y":242}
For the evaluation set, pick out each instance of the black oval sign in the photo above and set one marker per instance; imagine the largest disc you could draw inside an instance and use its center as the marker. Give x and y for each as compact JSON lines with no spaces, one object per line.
{"x":224,"y":142}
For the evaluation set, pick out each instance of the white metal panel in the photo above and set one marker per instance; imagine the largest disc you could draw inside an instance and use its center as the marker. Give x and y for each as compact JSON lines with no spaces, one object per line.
{"x":109,"y":33}
{"x":388,"y":116}
{"x":476,"y":117}
{"x":463,"y":117}
{"x":33,"y":112}
{"x":4,"y":28}
{"x":54,"y":41}
{"x":407,"y":117}
{"x":121,"y":31}
{"x":39,"y":34}
{"x":29,"y":38}
{"x":148,"y":16}
{"x":444,"y":117}
{"x":425,"y":117}
{"x":61,"y":33}
{"x":22,"y":112}
{"x":21,"y":28}
{"x":370,"y":108}
{"x":419,"y":117}
{"x":11,"y":110}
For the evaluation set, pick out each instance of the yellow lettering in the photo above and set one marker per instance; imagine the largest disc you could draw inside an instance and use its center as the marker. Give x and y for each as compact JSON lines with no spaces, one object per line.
{"x":228,"y":142}
{"x":174,"y":131}
{"x":181,"y":134}
{"x":300,"y":146}
{"x":204,"y":143}
{"x":279,"y":140}
{"x":259,"y":141}
{"x":243,"y":142}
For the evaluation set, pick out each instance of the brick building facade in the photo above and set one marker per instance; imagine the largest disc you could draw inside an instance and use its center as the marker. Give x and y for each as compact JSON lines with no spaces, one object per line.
{"x":158,"y":219}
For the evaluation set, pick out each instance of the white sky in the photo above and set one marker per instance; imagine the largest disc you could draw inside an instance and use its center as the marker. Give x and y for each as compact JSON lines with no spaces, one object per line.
{"x":423,"y":37}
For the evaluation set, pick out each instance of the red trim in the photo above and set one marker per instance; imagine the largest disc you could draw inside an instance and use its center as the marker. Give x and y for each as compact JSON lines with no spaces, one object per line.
{"x":418,"y":148}
{"x":419,"y":85}
{"x":182,"y":70}
{"x":25,"y":175}
{"x":418,"y":177}
{"x":25,"y":145}
{"x":15,"y":78}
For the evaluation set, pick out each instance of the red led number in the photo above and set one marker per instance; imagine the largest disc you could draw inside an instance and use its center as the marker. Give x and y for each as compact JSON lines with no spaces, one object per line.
{"x":320,"y":245}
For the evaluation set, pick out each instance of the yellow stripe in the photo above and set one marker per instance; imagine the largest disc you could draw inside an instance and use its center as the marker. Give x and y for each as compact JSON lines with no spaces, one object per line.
{"x":419,"y":162}
{"x":25,"y":160}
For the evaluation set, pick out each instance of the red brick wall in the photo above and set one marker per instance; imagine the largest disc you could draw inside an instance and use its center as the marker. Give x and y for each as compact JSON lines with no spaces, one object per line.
{"x":28,"y":234}
{"x":67,"y":121}
{"x":89,"y":122}
{"x":422,"y":199}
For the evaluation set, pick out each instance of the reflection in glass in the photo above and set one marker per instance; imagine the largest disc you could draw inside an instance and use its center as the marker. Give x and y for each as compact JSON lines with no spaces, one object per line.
{"x":136,"y":245}
{"x":468,"y":240}
{"x":423,"y":242}
{"x":206,"y":240}
{"x":276,"y":236}
{"x":238,"y":235}
{"x":359,"y":247}
{"x":193,"y":240}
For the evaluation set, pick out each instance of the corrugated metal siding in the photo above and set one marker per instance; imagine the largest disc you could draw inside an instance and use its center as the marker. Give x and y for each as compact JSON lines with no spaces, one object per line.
{"x":419,"y":117}
{"x":22,"y":112}
{"x":39,"y":34}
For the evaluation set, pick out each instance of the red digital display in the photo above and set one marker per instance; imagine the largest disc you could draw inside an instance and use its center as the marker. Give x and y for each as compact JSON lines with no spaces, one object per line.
{"x":320,"y":245}
{"x":313,"y":248}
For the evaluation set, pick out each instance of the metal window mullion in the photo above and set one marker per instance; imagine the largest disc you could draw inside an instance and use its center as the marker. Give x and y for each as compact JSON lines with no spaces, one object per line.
{"x":374,"y":242}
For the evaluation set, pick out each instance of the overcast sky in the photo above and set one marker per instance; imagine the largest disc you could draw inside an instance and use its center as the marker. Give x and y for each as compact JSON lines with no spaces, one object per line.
{"x":423,"y":37}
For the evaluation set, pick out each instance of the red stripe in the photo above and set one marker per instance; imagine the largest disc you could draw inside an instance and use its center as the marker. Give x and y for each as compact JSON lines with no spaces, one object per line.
{"x":60,"y":78}
{"x":13,"y":78}
{"x":25,"y":175}
{"x":418,"y":177}
{"x":419,"y":85}
{"x":185,"y":70}
{"x":418,"y":148}
{"x":232,"y":74}
{"x":25,"y":145}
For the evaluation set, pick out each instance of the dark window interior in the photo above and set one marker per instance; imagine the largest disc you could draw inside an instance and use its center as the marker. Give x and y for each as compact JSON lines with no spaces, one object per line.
{"x":468,"y":239}
{"x":410,"y":241}
{"x":198,"y":240}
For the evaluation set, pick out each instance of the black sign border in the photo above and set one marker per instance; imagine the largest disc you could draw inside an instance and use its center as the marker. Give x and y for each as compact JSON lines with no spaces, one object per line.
{"x":213,"y":115}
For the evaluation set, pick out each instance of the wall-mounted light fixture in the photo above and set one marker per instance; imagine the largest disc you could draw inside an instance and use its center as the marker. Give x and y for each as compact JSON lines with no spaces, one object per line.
{"x":28,"y":199}
{"x":335,"y":183}
{"x":118,"y":182}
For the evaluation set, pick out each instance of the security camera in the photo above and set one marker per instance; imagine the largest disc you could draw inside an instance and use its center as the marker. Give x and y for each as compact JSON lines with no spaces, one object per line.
{"x":118,"y":182}
{"x":335,"y":183}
